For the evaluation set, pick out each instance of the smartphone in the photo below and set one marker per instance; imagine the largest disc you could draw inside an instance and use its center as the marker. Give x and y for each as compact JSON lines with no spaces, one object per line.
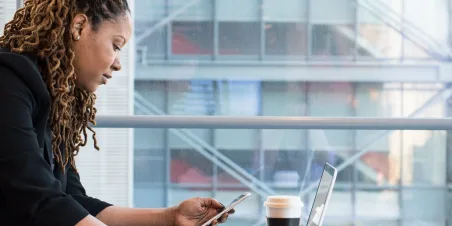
{"x":229,"y":207}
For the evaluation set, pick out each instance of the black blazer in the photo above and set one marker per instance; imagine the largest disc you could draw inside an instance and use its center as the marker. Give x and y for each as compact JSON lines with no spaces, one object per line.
{"x":32,"y":191}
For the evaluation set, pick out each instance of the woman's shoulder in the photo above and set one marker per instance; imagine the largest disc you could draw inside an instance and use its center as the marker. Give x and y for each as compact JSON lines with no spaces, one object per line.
{"x":23,"y":65}
{"x":19,"y":71}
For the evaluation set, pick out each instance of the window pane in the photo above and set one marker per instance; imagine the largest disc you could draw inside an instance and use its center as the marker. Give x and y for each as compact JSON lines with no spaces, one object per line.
{"x":238,"y":98}
{"x":433,"y":25}
{"x":191,"y":97}
{"x":239,"y":38}
{"x":285,"y":168}
{"x":149,"y":196}
{"x":152,"y":46}
{"x":248,"y":160}
{"x":434,"y":199}
{"x":414,"y":50}
{"x":189,"y":167}
{"x":192,"y":38}
{"x":376,"y":39}
{"x":332,"y":40}
{"x":198,"y":11}
{"x":326,"y":11}
{"x":285,"y":38}
{"x":424,"y":157}
{"x":377,"y":204}
{"x":147,"y":162}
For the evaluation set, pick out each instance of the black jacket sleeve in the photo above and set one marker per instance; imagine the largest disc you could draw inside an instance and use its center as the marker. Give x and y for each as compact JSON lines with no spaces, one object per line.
{"x":27,"y":185}
{"x":76,"y":190}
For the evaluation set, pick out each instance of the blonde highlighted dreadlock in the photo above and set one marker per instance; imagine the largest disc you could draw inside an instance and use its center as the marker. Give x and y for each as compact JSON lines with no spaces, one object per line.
{"x":42,"y":27}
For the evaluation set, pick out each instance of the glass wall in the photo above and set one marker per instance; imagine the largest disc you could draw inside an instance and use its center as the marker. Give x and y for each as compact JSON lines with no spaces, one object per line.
{"x":397,"y":170}
{"x":389,"y":184}
{"x":222,"y":44}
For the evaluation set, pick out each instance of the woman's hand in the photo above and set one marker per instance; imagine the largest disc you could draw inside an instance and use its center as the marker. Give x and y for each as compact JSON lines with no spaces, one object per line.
{"x":196,"y":211}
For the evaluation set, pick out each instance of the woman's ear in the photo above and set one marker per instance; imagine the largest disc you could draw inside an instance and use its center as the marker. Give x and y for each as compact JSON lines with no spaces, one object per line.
{"x":79,"y":23}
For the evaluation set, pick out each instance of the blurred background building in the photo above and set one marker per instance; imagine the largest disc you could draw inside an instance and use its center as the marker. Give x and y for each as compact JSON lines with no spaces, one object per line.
{"x":322,"y":58}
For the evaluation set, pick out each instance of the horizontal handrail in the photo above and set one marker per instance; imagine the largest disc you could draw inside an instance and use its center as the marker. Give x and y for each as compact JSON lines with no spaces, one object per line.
{"x":268,"y":122}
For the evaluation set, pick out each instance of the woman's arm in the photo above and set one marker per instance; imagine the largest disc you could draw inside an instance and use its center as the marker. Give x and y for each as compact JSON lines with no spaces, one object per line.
{"x":90,"y":221}
{"x":191,"y":212}
{"x":121,"y":216}
{"x":113,"y":215}
{"x":75,"y":188}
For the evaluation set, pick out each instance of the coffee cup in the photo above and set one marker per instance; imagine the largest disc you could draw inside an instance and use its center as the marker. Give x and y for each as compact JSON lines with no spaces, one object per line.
{"x":283,"y":210}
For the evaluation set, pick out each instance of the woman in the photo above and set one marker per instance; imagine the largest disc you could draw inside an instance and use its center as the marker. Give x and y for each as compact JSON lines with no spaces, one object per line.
{"x":54,"y":55}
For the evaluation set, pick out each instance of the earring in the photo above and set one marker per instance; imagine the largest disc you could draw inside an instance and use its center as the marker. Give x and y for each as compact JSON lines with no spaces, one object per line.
{"x":77,"y":38}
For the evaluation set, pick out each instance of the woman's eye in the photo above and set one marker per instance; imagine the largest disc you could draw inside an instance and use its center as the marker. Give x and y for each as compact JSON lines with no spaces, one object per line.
{"x":116,"y":48}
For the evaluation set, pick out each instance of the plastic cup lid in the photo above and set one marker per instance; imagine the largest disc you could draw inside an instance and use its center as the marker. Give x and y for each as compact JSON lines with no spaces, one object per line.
{"x":282,"y":201}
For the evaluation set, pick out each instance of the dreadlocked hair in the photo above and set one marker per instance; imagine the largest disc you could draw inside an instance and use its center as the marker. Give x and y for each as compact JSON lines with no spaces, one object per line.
{"x":43,"y":27}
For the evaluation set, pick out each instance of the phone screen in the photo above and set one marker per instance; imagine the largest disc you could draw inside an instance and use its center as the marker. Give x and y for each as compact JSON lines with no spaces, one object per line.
{"x":229,"y":207}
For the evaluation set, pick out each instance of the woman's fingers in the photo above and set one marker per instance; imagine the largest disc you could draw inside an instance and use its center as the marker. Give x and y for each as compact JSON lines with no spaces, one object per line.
{"x":224,"y":218}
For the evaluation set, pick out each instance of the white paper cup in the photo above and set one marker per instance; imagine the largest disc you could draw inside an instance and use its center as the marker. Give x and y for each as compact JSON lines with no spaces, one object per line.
{"x":283,"y":210}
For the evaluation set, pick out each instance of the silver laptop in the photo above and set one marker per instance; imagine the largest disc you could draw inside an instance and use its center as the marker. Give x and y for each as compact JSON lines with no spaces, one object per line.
{"x":322,"y":196}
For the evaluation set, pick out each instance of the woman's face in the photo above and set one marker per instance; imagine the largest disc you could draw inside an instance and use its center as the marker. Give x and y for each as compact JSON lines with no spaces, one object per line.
{"x":97,"y":51}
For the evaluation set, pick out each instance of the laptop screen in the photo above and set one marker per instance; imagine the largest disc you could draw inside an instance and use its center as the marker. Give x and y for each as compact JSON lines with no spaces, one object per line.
{"x":318,"y":207}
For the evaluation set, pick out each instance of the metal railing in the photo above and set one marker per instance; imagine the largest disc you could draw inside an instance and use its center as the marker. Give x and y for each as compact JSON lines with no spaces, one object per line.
{"x":179,"y":124}
{"x":212,"y":153}
{"x":263,"y":122}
